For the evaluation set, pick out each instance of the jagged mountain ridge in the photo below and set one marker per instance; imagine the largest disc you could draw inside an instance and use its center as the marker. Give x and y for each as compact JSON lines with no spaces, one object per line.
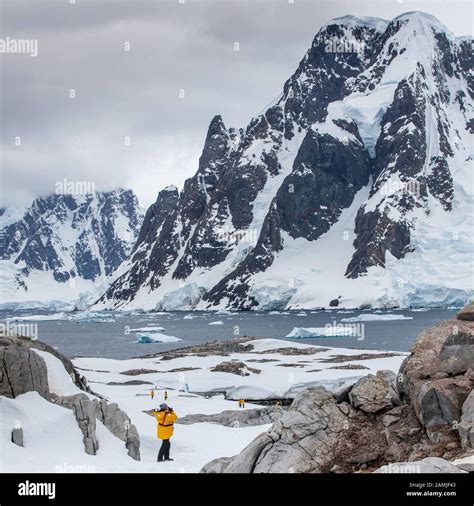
{"x":64,"y":243}
{"x":345,"y":188}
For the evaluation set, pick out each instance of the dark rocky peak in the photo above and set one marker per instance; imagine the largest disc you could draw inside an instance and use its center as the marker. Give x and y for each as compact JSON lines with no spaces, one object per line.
{"x":215,"y":156}
{"x":340,"y":51}
{"x":165,"y":204}
{"x":216,"y":151}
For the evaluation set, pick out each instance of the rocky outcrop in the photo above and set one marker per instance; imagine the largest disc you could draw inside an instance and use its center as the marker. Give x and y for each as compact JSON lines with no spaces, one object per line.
{"x":362,"y":356}
{"x":137,"y":372}
{"x":427,"y":465}
{"x":235,"y":367}
{"x":372,"y":394}
{"x":87,"y":411}
{"x":467,"y":312}
{"x":129,"y":383}
{"x":319,"y":433}
{"x":299,"y":441}
{"x":238,"y":345}
{"x":84,"y":411}
{"x":27,"y":343}
{"x":17,"y":436}
{"x":234,"y":418}
{"x":436,"y":377}
{"x":418,"y":418}
{"x":119,"y":424}
{"x":21,"y":371}
{"x":466,"y":427}
{"x":217,"y":465}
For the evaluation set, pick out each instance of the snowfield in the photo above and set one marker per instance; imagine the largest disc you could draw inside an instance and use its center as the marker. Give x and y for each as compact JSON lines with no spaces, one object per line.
{"x":53,"y":440}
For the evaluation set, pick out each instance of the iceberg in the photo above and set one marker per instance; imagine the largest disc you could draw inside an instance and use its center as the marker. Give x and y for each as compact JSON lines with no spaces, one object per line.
{"x":370,"y":317}
{"x":218,"y":322}
{"x":329,"y":331}
{"x":156,"y":338}
{"x":91,"y":317}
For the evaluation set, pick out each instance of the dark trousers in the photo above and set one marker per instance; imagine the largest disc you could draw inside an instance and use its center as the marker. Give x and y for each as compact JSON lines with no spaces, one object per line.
{"x":164,"y":453}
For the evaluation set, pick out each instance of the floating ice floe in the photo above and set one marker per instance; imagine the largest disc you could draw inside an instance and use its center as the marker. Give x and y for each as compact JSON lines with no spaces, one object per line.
{"x":91,"y":317}
{"x":156,"y":338}
{"x":188,"y":317}
{"x":218,"y":322}
{"x":370,"y":317}
{"x":329,"y":331}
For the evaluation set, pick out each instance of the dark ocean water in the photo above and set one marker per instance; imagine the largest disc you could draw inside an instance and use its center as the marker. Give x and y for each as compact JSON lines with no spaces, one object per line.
{"x":113,"y":339}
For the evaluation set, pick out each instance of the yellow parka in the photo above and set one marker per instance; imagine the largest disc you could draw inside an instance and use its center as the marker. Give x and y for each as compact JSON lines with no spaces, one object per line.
{"x":165,"y":421}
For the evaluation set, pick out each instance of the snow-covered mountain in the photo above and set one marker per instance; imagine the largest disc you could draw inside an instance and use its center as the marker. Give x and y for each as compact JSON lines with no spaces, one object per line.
{"x":64,"y":245}
{"x":354,"y":186}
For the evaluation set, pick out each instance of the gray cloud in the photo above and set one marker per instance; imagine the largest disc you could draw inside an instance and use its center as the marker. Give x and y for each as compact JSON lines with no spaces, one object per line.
{"x":134,"y":93}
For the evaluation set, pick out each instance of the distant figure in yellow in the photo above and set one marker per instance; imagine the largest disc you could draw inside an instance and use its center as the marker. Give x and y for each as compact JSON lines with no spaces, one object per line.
{"x":152,"y":394}
{"x":278,"y":403}
{"x":243,"y":403}
{"x":165,"y":418}
{"x":166,"y":395}
{"x":240,"y":403}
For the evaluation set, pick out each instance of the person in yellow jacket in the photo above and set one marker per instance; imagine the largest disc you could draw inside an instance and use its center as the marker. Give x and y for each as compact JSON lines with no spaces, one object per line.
{"x":165,"y":418}
{"x":152,"y":394}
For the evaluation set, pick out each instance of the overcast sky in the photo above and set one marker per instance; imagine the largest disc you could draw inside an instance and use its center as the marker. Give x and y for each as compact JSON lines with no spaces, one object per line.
{"x":134,"y":94}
